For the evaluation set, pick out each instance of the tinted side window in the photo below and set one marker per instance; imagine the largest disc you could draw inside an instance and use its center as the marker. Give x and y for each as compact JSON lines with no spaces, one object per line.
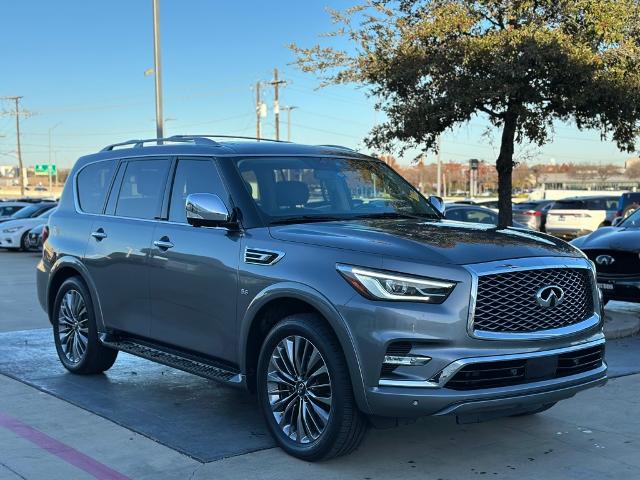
{"x":93,"y":183}
{"x":142,"y":187}
{"x":193,"y":176}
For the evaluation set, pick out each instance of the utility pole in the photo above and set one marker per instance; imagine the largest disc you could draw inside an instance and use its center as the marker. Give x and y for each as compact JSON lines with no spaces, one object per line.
{"x":288,"y":110}
{"x":17,"y":114}
{"x":158,"y":70}
{"x":439,"y":169}
{"x":258,"y":111}
{"x":276,"y":100}
{"x":50,"y":130}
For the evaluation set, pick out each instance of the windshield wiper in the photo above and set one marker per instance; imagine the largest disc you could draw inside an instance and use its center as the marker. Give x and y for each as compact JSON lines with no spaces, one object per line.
{"x":414,"y":216}
{"x":305,"y":219}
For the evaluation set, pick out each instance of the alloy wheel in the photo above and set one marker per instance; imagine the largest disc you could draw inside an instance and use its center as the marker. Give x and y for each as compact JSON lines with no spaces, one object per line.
{"x":299,"y":389}
{"x":73,"y":326}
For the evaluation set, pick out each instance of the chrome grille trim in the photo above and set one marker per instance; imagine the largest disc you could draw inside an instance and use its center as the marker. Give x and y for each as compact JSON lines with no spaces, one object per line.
{"x":523,"y":264}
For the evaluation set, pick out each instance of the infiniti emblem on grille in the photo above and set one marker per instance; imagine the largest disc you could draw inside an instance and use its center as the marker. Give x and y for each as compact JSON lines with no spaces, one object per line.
{"x":605,"y":259}
{"x":549,"y":297}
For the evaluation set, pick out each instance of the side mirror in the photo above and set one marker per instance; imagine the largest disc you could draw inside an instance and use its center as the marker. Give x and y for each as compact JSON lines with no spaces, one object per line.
{"x":437,"y":203}
{"x":206,"y":210}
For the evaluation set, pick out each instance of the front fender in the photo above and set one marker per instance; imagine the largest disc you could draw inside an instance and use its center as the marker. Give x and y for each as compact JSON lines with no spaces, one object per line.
{"x":318,"y":301}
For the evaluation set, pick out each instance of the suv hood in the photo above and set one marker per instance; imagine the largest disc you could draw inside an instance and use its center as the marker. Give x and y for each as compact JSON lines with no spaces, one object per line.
{"x":433,"y":241}
{"x":610,"y":238}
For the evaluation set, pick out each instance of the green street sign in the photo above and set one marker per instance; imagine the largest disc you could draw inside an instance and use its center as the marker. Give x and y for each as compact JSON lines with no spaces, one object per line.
{"x":43,"y":169}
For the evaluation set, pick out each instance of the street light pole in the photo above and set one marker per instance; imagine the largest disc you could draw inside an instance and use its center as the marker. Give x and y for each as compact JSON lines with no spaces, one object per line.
{"x":288,"y":110}
{"x":50,"y":130}
{"x":157,"y":70}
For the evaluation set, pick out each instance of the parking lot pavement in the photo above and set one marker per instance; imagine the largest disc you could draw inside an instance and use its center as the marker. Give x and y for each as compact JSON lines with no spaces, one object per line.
{"x":142,"y":420}
{"x":19,"y":308}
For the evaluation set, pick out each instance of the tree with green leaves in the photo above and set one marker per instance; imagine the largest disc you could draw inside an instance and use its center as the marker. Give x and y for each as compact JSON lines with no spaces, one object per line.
{"x":523,"y":64}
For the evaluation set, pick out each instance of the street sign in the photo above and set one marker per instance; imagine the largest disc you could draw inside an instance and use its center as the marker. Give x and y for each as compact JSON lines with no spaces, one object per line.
{"x":43,"y":169}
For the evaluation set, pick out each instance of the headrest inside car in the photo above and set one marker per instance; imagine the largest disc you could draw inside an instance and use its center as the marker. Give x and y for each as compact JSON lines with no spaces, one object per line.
{"x":291,"y":194}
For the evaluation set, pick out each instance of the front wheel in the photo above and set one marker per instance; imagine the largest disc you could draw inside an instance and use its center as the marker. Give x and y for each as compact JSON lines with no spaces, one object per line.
{"x":305,"y":392}
{"x":75,"y":332}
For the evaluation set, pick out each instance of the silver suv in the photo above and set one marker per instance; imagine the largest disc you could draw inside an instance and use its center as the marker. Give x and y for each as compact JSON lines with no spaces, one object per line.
{"x":317,"y":278}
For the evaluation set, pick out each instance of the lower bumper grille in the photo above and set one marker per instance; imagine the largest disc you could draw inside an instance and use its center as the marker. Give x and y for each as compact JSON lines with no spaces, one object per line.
{"x":506,"y":373}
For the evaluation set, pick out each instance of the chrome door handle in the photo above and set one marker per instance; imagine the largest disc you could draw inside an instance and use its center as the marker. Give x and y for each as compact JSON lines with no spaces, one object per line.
{"x":99,"y":234}
{"x":163,"y":244}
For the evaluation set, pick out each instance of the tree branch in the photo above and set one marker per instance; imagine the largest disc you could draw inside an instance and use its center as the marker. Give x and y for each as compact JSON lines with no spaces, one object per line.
{"x":490,"y":112}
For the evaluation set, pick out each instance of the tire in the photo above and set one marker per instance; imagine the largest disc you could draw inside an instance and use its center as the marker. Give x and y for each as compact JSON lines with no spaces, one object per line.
{"x":24,"y":242}
{"x":535,"y":411}
{"x":344,"y":425}
{"x":73,"y":317}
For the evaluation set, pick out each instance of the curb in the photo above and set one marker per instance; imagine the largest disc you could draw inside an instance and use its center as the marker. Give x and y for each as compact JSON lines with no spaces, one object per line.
{"x":621,"y":320}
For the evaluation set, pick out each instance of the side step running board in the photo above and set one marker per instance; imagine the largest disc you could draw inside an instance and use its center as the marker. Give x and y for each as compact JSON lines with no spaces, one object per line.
{"x":201,"y":367}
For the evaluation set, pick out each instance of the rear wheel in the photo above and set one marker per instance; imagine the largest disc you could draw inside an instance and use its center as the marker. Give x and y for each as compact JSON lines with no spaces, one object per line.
{"x":305,"y":391}
{"x":75,"y":332}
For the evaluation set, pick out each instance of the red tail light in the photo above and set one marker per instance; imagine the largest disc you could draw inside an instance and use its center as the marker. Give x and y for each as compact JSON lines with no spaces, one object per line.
{"x":533,"y":213}
{"x":45,"y":233}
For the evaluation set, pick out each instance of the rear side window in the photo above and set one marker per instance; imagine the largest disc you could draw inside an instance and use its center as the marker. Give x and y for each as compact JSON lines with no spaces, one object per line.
{"x":193,"y":176}
{"x":93,"y":185}
{"x":142,"y":188}
{"x":603,"y":204}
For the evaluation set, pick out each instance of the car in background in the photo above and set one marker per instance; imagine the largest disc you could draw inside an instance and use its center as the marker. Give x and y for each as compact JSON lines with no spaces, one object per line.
{"x":532,"y":213}
{"x":616,"y":254}
{"x":576,"y":216}
{"x":14,"y":234}
{"x":7,"y":209}
{"x":30,"y":211}
{"x":474,"y":214}
{"x":628,"y":203}
{"x":37,"y":237}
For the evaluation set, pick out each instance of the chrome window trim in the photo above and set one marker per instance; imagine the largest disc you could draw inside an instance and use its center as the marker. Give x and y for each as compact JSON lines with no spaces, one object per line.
{"x":454,"y":367}
{"x":523,"y":264}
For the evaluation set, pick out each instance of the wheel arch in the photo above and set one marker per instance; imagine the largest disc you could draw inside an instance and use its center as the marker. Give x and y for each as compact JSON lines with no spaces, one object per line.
{"x":281,"y":300}
{"x":67,"y":267}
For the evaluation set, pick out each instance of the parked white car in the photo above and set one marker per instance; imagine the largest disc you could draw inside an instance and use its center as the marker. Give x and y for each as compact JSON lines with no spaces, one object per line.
{"x":14,"y":233}
{"x":9,"y":208}
{"x":577,"y":216}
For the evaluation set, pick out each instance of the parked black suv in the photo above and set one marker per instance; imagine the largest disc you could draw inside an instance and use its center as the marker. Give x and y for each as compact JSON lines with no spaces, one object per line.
{"x":318,"y":278}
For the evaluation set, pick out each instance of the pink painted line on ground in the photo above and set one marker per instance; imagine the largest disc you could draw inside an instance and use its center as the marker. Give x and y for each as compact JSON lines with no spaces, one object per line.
{"x":61,"y":450}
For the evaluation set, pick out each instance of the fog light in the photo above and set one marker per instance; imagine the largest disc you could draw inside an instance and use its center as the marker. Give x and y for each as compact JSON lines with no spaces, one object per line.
{"x":409,"y":361}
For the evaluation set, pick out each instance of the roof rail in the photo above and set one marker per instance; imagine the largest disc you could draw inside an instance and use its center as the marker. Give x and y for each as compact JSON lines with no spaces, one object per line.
{"x":261,"y":139}
{"x":197,"y":139}
{"x":337,"y":146}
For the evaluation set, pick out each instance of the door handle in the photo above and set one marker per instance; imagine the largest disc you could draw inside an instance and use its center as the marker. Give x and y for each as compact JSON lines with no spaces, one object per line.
{"x":99,"y":234}
{"x":163,"y":243}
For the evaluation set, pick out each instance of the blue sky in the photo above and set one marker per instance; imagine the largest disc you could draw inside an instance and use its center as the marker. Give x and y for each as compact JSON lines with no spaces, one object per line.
{"x":80,"y":64}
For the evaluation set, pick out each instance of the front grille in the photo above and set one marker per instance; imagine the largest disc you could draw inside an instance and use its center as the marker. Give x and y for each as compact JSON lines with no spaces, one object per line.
{"x":624,"y":263}
{"x":506,"y":373}
{"x":506,"y":302}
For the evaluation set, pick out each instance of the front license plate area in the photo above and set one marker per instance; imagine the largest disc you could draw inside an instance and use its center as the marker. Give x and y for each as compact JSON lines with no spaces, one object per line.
{"x":541,"y":368}
{"x":605,"y":286}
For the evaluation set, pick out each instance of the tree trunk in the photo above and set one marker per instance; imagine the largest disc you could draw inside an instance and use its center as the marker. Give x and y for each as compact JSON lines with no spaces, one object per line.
{"x":504,"y":166}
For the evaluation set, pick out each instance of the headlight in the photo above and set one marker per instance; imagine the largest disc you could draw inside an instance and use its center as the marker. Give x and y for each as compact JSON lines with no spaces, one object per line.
{"x":12,"y":229}
{"x":381,"y":285}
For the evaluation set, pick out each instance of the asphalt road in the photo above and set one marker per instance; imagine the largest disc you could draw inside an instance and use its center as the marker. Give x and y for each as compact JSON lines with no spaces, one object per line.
{"x":142,"y":420}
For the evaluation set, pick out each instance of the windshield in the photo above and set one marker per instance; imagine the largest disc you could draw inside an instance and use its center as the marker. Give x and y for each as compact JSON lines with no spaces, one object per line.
{"x":26,"y":212}
{"x":321,"y":188}
{"x":632,"y":221}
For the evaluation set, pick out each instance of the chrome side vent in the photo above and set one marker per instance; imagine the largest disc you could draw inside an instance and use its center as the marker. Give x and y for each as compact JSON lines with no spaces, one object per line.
{"x":258,"y":256}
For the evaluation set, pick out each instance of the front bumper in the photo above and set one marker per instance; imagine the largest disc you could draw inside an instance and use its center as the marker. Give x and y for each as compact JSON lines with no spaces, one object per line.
{"x":618,"y":287}
{"x":10,"y":240}
{"x":566,"y":233}
{"x":434,"y":399}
